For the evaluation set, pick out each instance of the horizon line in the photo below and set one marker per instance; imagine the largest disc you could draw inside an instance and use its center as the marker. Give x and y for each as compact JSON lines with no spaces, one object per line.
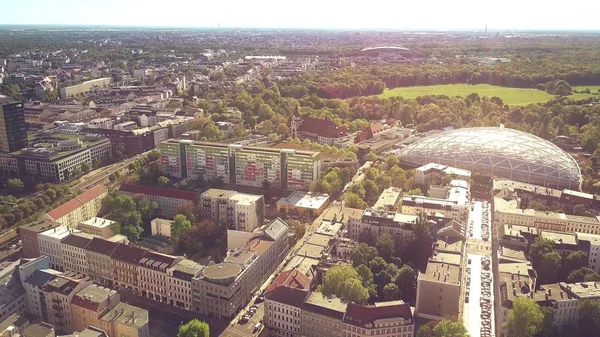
{"x":190,"y":27}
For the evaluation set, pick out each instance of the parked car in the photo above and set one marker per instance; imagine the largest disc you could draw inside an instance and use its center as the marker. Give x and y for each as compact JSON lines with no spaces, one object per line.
{"x":260,"y":299}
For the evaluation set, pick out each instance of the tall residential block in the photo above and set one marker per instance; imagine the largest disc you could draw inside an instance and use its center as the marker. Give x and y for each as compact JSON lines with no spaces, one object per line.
{"x":243,"y":165}
{"x":239,"y":211}
{"x":13,"y":133}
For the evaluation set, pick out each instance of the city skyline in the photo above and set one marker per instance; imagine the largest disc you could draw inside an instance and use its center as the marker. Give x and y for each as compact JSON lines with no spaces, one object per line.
{"x":310,"y":14}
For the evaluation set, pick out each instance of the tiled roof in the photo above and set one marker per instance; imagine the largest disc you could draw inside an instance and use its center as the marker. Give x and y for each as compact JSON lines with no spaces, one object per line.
{"x":92,"y":193}
{"x":76,"y":202}
{"x":161,"y":192}
{"x":291,"y":278}
{"x":79,"y":241}
{"x":286,"y":295}
{"x":101,"y":246}
{"x":64,"y":209}
{"x":368,"y":132}
{"x":129,"y":254}
{"x":322,"y":127}
{"x":362,"y":315}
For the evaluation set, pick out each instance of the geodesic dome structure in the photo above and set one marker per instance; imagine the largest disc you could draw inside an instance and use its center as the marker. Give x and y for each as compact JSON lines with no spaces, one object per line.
{"x":498,"y":152}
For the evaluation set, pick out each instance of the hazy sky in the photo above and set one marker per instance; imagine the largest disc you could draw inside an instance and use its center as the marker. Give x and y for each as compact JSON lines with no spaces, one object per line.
{"x":386,"y":14}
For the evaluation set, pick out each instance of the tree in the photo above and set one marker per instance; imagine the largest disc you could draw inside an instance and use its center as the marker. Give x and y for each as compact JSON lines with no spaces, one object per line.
{"x":525,"y":318}
{"x":589,"y":318}
{"x":180,"y":225}
{"x":85,"y":167}
{"x":448,"y":328}
{"x":385,"y":245}
{"x":364,"y":254}
{"x":406,"y":282}
{"x":574,"y":261}
{"x":153,"y":155}
{"x":545,"y":260}
{"x":163,"y":181}
{"x":377,"y":265}
{"x":352,"y":200}
{"x":194,"y":328}
{"x":365,"y":275}
{"x":189,"y":210}
{"x":425,"y":331}
{"x":371,"y":157}
{"x":583,"y":275}
{"x":112,"y":177}
{"x":297,"y":228}
{"x":344,"y":282}
{"x":547,"y":327}
{"x":391,"y":292}
{"x":15,"y":186}
{"x":132,"y":225}
{"x":192,"y":240}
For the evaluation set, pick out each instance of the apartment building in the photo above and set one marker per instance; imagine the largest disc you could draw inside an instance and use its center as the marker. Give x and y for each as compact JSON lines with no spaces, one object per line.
{"x":167,"y":199}
{"x":97,"y":226}
{"x":57,"y":294}
{"x":389,"y":199}
{"x":283,"y":305}
{"x":127,"y":320}
{"x":81,"y":208}
{"x":88,"y":305}
{"x":100,"y":265}
{"x":153,"y":279}
{"x":29,"y":236}
{"x":54,"y":163}
{"x":239,"y":164}
{"x":222,"y":289}
{"x":22,"y":326}
{"x":452,"y":201}
{"x":240,"y":211}
{"x":376,"y":222}
{"x":300,"y":202}
{"x":12,"y":294}
{"x":323,"y":316}
{"x":431,"y":172}
{"x":50,"y":245}
{"x":514,"y":280}
{"x":387,"y":319}
{"x":526,"y":193}
{"x":180,"y":283}
{"x":130,"y":142}
{"x":126,"y":261}
{"x":507,"y":211}
{"x":70,"y":302}
{"x":84,"y":87}
{"x":73,"y":249}
{"x":438,"y":288}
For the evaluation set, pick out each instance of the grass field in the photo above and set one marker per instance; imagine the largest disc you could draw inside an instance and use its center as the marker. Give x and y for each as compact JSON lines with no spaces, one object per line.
{"x":593,"y":88}
{"x":510,"y":96}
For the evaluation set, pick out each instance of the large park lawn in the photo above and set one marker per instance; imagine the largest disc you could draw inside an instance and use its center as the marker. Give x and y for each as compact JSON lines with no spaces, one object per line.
{"x":510,"y":96}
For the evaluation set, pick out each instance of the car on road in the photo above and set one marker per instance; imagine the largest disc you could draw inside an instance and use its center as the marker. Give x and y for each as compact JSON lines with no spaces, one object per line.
{"x":260,"y":299}
{"x":255,"y":307}
{"x":244,"y":320}
{"x":257,"y":327}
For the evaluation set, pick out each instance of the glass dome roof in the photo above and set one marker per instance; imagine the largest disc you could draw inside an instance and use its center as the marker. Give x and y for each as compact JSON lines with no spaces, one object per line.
{"x":498,"y":152}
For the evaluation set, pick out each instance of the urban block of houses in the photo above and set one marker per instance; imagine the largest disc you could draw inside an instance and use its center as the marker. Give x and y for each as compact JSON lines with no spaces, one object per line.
{"x":239,"y":211}
{"x":167,"y":199}
{"x":79,"y":209}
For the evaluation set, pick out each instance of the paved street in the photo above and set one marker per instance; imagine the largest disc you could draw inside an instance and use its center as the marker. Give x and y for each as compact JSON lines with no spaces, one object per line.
{"x":101,"y":175}
{"x":478,"y":311}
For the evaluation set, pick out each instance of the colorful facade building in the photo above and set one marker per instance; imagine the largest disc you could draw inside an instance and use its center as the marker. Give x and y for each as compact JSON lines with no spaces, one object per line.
{"x":239,"y":164}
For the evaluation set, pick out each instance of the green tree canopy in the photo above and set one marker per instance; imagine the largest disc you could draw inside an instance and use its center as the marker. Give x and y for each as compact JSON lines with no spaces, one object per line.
{"x":391,"y":292}
{"x":385,"y":245}
{"x":344,"y":282}
{"x":525,"y":318}
{"x":15,"y":186}
{"x":589,"y":318}
{"x":194,"y":328}
{"x":181,"y":224}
